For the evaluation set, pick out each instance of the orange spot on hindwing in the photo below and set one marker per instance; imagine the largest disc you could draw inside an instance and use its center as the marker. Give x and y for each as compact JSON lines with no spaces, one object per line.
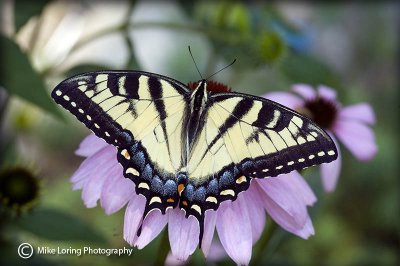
{"x":181,"y":187}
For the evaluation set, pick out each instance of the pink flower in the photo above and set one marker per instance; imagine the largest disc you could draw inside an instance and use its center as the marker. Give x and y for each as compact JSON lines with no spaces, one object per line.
{"x":348,"y":124}
{"x":239,"y":224}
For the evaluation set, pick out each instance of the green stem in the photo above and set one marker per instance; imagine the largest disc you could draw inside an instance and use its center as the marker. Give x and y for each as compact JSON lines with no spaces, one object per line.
{"x":163,"y":250}
{"x":131,"y":62}
{"x":230,"y":37}
{"x":264,"y":242}
{"x":140,"y":25}
{"x":33,"y":39}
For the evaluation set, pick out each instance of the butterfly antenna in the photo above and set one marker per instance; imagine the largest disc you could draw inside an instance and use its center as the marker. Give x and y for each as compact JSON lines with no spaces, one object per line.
{"x":221,"y":69}
{"x":194,"y":61}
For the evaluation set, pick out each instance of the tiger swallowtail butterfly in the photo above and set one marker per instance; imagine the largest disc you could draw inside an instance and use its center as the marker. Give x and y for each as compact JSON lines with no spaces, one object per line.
{"x":191,"y":148}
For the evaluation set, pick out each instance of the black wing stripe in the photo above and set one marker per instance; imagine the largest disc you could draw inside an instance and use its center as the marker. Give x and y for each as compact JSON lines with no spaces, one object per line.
{"x":238,"y":112}
{"x":265,"y":116}
{"x":132,"y":86}
{"x":124,"y":85}
{"x":156,"y":92}
{"x":112,"y":84}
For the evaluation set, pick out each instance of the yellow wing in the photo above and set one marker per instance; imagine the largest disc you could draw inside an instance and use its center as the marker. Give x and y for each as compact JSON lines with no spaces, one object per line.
{"x":246,"y":137}
{"x":142,"y":114}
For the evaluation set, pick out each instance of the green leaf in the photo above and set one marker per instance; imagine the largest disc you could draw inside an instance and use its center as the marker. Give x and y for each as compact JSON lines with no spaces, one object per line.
{"x":53,"y":224}
{"x":25,"y":9}
{"x":19,"y":78}
{"x":307,"y":69}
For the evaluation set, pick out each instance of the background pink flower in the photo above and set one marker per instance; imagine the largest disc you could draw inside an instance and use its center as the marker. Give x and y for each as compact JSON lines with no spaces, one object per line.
{"x":349,"y":124}
{"x":239,"y":224}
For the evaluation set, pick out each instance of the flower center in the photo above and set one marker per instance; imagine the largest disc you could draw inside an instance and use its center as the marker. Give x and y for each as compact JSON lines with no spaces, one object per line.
{"x":322,"y":111}
{"x":18,"y":188}
{"x":212,"y":86}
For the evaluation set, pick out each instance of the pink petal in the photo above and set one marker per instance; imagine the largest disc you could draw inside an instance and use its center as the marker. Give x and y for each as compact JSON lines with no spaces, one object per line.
{"x":153,"y":224}
{"x":285,"y":219}
{"x":133,"y":217}
{"x":234,"y":230}
{"x":287,"y":99}
{"x":94,"y":162}
{"x":362,"y":112}
{"x":255,"y":208}
{"x":297,"y":182}
{"x":358,"y":138}
{"x":183,"y":234}
{"x":217,"y":252}
{"x":282,"y":202}
{"x":79,"y":184}
{"x":171,"y":260}
{"x":90,"y":145}
{"x":330,"y":171}
{"x":209,"y":228}
{"x":326,"y":92}
{"x":91,"y":190}
{"x":306,"y":231}
{"x":285,"y":199}
{"x":116,"y":191}
{"x":305,"y":91}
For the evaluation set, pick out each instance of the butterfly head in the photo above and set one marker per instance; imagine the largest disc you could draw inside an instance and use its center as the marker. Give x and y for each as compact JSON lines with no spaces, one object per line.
{"x":200,"y":94}
{"x":211,"y":86}
{"x":206,"y":84}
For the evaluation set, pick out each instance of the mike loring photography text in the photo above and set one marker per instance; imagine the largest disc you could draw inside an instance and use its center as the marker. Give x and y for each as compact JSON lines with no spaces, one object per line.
{"x":83,"y":251}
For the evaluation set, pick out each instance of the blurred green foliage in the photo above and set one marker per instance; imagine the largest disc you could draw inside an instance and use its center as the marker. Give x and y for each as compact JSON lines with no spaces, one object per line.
{"x":31,"y":87}
{"x":26,"y":10}
{"x":358,"y":224}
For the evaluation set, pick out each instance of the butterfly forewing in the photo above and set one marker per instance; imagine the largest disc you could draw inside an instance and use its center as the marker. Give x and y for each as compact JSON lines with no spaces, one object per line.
{"x":247,"y":137}
{"x":142,"y":115}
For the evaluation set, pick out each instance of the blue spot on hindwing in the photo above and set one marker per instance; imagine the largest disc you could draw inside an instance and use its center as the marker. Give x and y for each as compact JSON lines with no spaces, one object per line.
{"x":139,"y":159}
{"x":226,"y":179}
{"x":247,"y":166}
{"x":188,"y":192}
{"x":156,"y":185}
{"x":133,"y":148}
{"x":212,"y":187}
{"x":170,"y":188}
{"x":147,"y":173}
{"x":235,"y":171}
{"x":200,"y":194}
